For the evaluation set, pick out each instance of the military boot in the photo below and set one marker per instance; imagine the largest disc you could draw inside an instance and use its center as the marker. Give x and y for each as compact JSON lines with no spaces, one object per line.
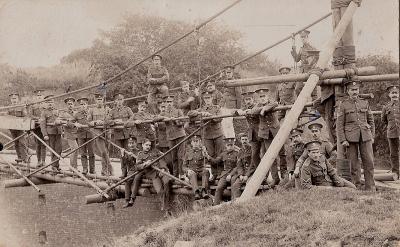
{"x":84,"y":165}
{"x":91,"y":165}
{"x":130,"y":202}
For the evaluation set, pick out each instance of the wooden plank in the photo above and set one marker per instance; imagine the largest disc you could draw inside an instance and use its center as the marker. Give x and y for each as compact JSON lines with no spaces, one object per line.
{"x":16,"y":123}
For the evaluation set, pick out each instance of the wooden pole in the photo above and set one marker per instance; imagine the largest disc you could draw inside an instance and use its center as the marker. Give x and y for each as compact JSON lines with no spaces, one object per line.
{"x":370,"y":78}
{"x":291,"y":118}
{"x":93,"y":185}
{"x":370,"y":70}
{"x":22,"y":175}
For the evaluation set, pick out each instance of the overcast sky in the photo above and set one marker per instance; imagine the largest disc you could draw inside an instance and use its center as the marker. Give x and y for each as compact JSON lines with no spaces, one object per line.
{"x":40,"y":32}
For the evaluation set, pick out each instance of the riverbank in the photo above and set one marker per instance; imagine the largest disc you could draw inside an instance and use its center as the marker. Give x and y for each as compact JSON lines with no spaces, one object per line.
{"x":317,"y":217}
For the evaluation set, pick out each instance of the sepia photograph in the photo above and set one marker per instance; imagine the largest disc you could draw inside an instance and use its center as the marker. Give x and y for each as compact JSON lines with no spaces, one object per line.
{"x":188,"y":123}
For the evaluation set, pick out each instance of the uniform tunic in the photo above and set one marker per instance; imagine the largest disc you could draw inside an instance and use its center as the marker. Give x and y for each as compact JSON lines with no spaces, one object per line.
{"x":123,"y":113}
{"x":143,"y":130}
{"x":391,"y":118}
{"x":319,"y":173}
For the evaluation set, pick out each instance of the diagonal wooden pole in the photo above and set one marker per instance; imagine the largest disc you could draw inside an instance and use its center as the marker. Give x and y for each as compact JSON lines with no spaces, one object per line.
{"x":291,"y":119}
{"x":93,"y":185}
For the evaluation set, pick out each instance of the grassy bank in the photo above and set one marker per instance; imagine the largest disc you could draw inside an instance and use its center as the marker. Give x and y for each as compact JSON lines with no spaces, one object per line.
{"x":318,"y":217}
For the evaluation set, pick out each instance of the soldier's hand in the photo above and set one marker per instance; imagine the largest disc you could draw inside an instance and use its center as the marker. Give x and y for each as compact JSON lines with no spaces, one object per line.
{"x":46,"y":138}
{"x":228,"y":178}
{"x":190,"y":99}
{"x":372,"y":140}
{"x":345,"y":144}
{"x":296,"y":172}
{"x":190,"y":172}
{"x":248,"y":111}
{"x":137,"y":122}
{"x":118,"y":121}
{"x":147,"y":164}
{"x":245,"y":178}
{"x":92,"y":123}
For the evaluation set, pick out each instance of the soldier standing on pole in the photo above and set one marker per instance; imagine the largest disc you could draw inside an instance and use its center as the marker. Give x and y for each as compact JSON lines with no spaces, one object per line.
{"x":356,"y":132}
{"x":157,"y":79}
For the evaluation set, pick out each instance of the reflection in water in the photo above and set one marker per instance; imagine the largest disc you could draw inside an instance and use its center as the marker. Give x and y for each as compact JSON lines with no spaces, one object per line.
{"x":62,"y":219}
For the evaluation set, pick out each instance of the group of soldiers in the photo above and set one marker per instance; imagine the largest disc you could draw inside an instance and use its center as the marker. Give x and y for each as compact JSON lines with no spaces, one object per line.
{"x":164,"y":120}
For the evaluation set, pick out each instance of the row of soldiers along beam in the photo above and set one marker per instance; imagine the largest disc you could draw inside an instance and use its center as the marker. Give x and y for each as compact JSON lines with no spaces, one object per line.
{"x":209,"y":155}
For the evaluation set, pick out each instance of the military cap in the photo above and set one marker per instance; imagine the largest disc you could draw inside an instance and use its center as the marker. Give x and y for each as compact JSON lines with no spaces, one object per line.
{"x":210,"y":83}
{"x":352,"y":84}
{"x":48,"y":96}
{"x":38,"y":91}
{"x":313,"y":144}
{"x":304,"y":33}
{"x":118,"y":95}
{"x":184,"y":82}
{"x":13,"y":94}
{"x":66,"y":100}
{"x":156,"y":55}
{"x":262,"y":90}
{"x":167,"y":97}
{"x":229,"y":67}
{"x":207,"y":95}
{"x":98,"y":95}
{"x":247,"y":94}
{"x":312,"y":126}
{"x":229,"y":139}
{"x":282,"y":68}
{"x":392,"y":88}
{"x":196,"y":136}
{"x":296,"y":132}
{"x":240,"y":135}
{"x":82,"y":99}
{"x":313,"y":53}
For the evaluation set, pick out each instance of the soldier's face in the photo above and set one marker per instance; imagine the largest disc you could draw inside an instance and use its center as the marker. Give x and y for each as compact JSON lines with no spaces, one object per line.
{"x":229,"y":74}
{"x":83,"y":105}
{"x":132,"y":144}
{"x":146,"y":146}
{"x":316,"y":132}
{"x":142,"y":107}
{"x":119,"y":101}
{"x":314,"y":154}
{"x":162,"y":107}
{"x":169,"y":103}
{"x":353,"y":92}
{"x":244,"y":140}
{"x":70,"y":104}
{"x":296,"y":139}
{"x":263,"y":98}
{"x":99,"y":101}
{"x":157,"y":61}
{"x":210,"y":88}
{"x":196,"y":143}
{"x":14,"y":99}
{"x":394,"y":95}
{"x":248,"y":101}
{"x":304,"y":39}
{"x":50,"y":103}
{"x":185,"y":87}
{"x":207,"y":100}
{"x":229,"y":146}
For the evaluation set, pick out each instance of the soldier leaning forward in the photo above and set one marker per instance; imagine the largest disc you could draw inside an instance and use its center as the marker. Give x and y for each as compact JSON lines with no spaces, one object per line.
{"x":98,"y":116}
{"x":160,"y":182}
{"x":356,"y":131}
{"x":228,"y":158}
{"x":20,"y":144}
{"x":144,"y":130}
{"x":317,"y":171}
{"x":49,"y":124}
{"x":83,"y":135}
{"x":195,"y":165}
{"x":132,"y":185}
{"x":244,"y":167}
{"x":35,"y":113}
{"x":118,"y":116}
{"x":391,"y":118}
{"x":70,"y":131}
{"x":268,"y":127}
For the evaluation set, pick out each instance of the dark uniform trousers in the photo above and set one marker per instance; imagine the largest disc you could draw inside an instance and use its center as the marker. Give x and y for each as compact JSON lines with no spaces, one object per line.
{"x":20,"y":145}
{"x":40,"y":148}
{"x":87,"y":153}
{"x":391,"y":118}
{"x":356,"y":125}
{"x":132,"y":186}
{"x":204,"y":175}
{"x":53,"y":132}
{"x":394,"y":154}
{"x":195,"y":161}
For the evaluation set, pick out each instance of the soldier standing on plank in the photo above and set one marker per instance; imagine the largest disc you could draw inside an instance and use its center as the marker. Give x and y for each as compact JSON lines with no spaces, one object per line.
{"x":81,"y":122}
{"x":356,"y":131}
{"x":20,"y":144}
{"x":51,"y":133}
{"x":157,"y":79}
{"x":119,"y":115}
{"x":391,"y":118}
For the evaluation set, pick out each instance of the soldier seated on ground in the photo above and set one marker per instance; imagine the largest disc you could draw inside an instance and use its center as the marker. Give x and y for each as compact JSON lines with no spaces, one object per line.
{"x":195,"y":166}
{"x":129,"y":161}
{"x":244,"y":167}
{"x":161,"y":182}
{"x":228,"y":158}
{"x":317,"y":170}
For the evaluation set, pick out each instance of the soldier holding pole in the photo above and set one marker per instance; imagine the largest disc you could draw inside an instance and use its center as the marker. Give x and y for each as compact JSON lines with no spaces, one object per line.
{"x":35,"y":113}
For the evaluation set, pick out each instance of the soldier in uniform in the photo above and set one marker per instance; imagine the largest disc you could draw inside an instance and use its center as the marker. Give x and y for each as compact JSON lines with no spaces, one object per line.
{"x":213,"y":135}
{"x":132,"y":185}
{"x":161,"y":133}
{"x":175,"y":134}
{"x":157,"y":79}
{"x":391,"y":118}
{"x":303,"y":54}
{"x":356,"y":131}
{"x":70,"y":131}
{"x":285,"y":92}
{"x":143,"y":130}
{"x":195,"y":166}
{"x":327,"y":148}
{"x":83,"y":135}
{"x":231,"y":94}
{"x":98,"y":116}
{"x":293,"y":152}
{"x":228,"y":158}
{"x":244,"y":168}
{"x":35,"y":113}
{"x":160,"y":182}
{"x":217,"y":96}
{"x":20,"y":144}
{"x":186,"y":99}
{"x":119,"y":115}
{"x":268,"y":127}
{"x":317,"y":170}
{"x":51,"y":133}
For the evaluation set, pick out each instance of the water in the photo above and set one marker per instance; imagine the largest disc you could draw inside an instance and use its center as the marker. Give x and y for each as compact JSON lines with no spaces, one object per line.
{"x":65,"y":218}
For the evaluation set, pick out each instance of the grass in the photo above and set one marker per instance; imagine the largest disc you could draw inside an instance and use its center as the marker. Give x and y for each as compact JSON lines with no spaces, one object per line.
{"x":317,"y":217}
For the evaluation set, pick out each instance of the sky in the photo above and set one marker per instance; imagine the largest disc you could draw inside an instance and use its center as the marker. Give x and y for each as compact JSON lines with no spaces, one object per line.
{"x":40,"y":32}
